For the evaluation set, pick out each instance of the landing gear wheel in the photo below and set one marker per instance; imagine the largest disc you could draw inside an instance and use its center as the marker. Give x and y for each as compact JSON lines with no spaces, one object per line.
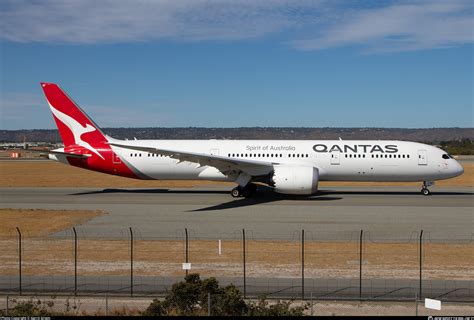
{"x":424,"y":189}
{"x":236,"y":192}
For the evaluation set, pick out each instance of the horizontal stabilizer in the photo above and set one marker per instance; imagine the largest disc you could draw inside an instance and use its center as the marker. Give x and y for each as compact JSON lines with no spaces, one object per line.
{"x":69,"y":154}
{"x":58,"y":152}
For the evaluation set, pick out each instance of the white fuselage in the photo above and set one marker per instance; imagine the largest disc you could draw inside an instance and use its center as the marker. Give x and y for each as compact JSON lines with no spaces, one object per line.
{"x":336,"y":160}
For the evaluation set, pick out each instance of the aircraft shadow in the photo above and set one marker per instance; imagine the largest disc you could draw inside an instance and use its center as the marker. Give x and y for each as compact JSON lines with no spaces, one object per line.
{"x":261,"y":198}
{"x":263,"y":195}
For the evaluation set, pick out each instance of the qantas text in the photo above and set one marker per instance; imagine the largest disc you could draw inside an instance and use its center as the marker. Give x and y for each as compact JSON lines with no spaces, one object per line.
{"x":389,"y":148}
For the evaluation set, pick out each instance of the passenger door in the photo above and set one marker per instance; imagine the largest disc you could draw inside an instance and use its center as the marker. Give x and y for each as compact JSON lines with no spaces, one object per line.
{"x":335,"y":158}
{"x":422,"y":158}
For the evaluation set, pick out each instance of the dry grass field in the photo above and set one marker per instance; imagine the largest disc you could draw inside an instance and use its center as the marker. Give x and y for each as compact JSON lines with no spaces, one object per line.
{"x":53,"y":174}
{"x":37,"y":222}
{"x":43,"y":255}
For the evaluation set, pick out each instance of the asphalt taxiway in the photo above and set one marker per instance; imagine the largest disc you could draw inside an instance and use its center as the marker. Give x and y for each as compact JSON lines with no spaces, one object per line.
{"x":337,"y":213}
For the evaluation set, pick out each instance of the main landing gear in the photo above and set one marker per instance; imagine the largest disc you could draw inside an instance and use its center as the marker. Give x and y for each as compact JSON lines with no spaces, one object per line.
{"x":424,"y":190}
{"x":247,"y":191}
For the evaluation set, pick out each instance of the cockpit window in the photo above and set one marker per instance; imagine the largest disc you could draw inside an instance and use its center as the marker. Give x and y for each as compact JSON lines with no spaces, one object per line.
{"x":446,"y":156}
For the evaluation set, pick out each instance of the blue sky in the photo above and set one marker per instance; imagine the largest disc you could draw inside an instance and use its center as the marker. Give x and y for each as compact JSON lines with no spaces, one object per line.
{"x":247,"y":63}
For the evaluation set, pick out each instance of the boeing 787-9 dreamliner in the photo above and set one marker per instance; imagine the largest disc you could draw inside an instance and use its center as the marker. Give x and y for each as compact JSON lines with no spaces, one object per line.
{"x":288,"y":166}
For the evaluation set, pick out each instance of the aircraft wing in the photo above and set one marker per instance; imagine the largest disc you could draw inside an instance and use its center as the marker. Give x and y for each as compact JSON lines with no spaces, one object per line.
{"x":225,"y":165}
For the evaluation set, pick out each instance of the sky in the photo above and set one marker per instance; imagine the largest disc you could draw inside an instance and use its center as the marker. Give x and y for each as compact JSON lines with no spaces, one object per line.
{"x":272,"y":63}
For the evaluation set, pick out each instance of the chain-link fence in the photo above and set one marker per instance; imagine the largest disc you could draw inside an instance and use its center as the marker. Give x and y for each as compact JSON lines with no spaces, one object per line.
{"x":360,"y":266}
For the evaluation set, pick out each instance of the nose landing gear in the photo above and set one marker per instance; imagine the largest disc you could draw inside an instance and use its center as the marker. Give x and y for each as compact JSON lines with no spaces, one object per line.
{"x":424,"y":189}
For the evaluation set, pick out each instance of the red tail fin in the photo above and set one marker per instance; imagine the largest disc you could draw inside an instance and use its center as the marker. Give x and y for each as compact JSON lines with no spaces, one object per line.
{"x":75,"y":127}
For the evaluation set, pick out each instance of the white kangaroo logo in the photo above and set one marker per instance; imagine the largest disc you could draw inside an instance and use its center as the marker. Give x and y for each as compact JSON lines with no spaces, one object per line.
{"x":77,"y":129}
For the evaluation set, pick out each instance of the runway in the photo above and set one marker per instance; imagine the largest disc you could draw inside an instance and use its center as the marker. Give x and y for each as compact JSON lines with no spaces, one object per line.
{"x":390,"y":213}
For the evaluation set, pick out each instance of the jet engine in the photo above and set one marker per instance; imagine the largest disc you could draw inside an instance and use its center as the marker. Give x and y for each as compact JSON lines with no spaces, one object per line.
{"x":294,"y":179}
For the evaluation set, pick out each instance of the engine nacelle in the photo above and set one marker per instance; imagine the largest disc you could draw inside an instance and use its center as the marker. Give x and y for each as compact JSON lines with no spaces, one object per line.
{"x":294,"y":179}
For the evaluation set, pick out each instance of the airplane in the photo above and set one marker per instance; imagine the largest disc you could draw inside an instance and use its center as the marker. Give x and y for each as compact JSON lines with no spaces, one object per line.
{"x":287,"y":166}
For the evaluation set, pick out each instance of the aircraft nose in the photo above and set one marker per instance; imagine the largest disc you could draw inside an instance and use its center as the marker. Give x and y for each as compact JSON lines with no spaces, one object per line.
{"x":458,"y":169}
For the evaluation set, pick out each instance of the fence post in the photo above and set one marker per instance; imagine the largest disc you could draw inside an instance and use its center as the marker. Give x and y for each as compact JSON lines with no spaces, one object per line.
{"x":209,"y":304}
{"x":244,"y":253}
{"x":75,"y":261}
{"x":302,"y":264}
{"x":421,"y":263}
{"x":186,"y":248}
{"x":311,"y":302}
{"x":131,"y":262}
{"x":416,"y":305}
{"x":19,"y":259}
{"x":7,"y":311}
{"x":360,"y":264}
{"x":106,"y":305}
